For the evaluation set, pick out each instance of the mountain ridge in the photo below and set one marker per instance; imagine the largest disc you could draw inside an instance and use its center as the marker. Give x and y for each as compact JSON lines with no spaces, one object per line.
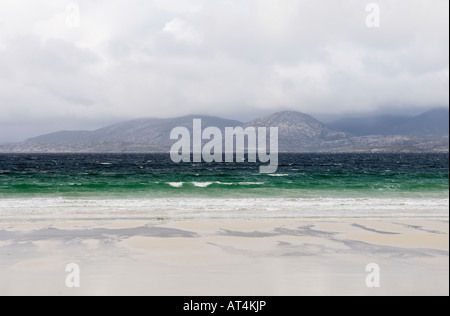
{"x":434,"y":122}
{"x":298,"y":132}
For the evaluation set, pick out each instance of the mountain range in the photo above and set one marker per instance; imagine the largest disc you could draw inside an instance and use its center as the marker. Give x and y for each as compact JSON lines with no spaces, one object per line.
{"x":432,"y":124}
{"x":298,"y":132}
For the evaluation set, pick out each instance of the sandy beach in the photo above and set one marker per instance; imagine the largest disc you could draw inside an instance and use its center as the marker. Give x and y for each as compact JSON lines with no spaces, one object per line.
{"x":304,"y":256}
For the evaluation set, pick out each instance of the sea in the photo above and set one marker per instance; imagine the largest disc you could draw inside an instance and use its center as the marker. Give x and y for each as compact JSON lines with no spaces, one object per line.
{"x":151,"y":186}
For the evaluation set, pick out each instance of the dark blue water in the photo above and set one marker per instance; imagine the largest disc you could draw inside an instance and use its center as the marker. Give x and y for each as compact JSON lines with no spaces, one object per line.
{"x":155,"y":175}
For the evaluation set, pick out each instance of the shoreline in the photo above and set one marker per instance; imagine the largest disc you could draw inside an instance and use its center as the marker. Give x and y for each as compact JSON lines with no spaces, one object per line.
{"x":278,"y":256}
{"x":61,"y":209}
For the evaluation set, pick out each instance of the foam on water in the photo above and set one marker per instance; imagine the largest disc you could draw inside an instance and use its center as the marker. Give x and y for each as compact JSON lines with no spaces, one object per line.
{"x":202,"y":184}
{"x":176,"y":184}
{"x":194,"y":208}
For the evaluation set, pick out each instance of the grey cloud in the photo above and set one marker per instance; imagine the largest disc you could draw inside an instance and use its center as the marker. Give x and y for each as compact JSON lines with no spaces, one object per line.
{"x":169,"y":58}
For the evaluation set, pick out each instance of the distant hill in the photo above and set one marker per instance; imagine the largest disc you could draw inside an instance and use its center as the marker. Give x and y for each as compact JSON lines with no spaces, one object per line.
{"x":431,"y":124}
{"x":298,"y":132}
{"x":135,"y":135}
{"x":372,"y":125}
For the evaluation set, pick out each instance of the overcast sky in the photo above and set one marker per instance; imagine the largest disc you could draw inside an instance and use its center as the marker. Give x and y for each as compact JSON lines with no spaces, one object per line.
{"x":231,"y":58}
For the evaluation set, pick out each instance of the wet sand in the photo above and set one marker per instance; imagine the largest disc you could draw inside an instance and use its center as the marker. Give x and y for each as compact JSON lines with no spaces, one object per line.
{"x":226,"y":256}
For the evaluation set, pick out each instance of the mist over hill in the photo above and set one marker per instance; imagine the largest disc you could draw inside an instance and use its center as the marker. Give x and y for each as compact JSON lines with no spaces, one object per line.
{"x":431,"y":124}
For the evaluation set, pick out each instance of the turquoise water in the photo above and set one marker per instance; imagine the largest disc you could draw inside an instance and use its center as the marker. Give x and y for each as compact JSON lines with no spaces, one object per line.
{"x":112,"y":176}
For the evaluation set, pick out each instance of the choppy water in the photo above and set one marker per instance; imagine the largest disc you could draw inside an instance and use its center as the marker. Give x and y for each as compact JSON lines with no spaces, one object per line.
{"x":152,"y":183}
